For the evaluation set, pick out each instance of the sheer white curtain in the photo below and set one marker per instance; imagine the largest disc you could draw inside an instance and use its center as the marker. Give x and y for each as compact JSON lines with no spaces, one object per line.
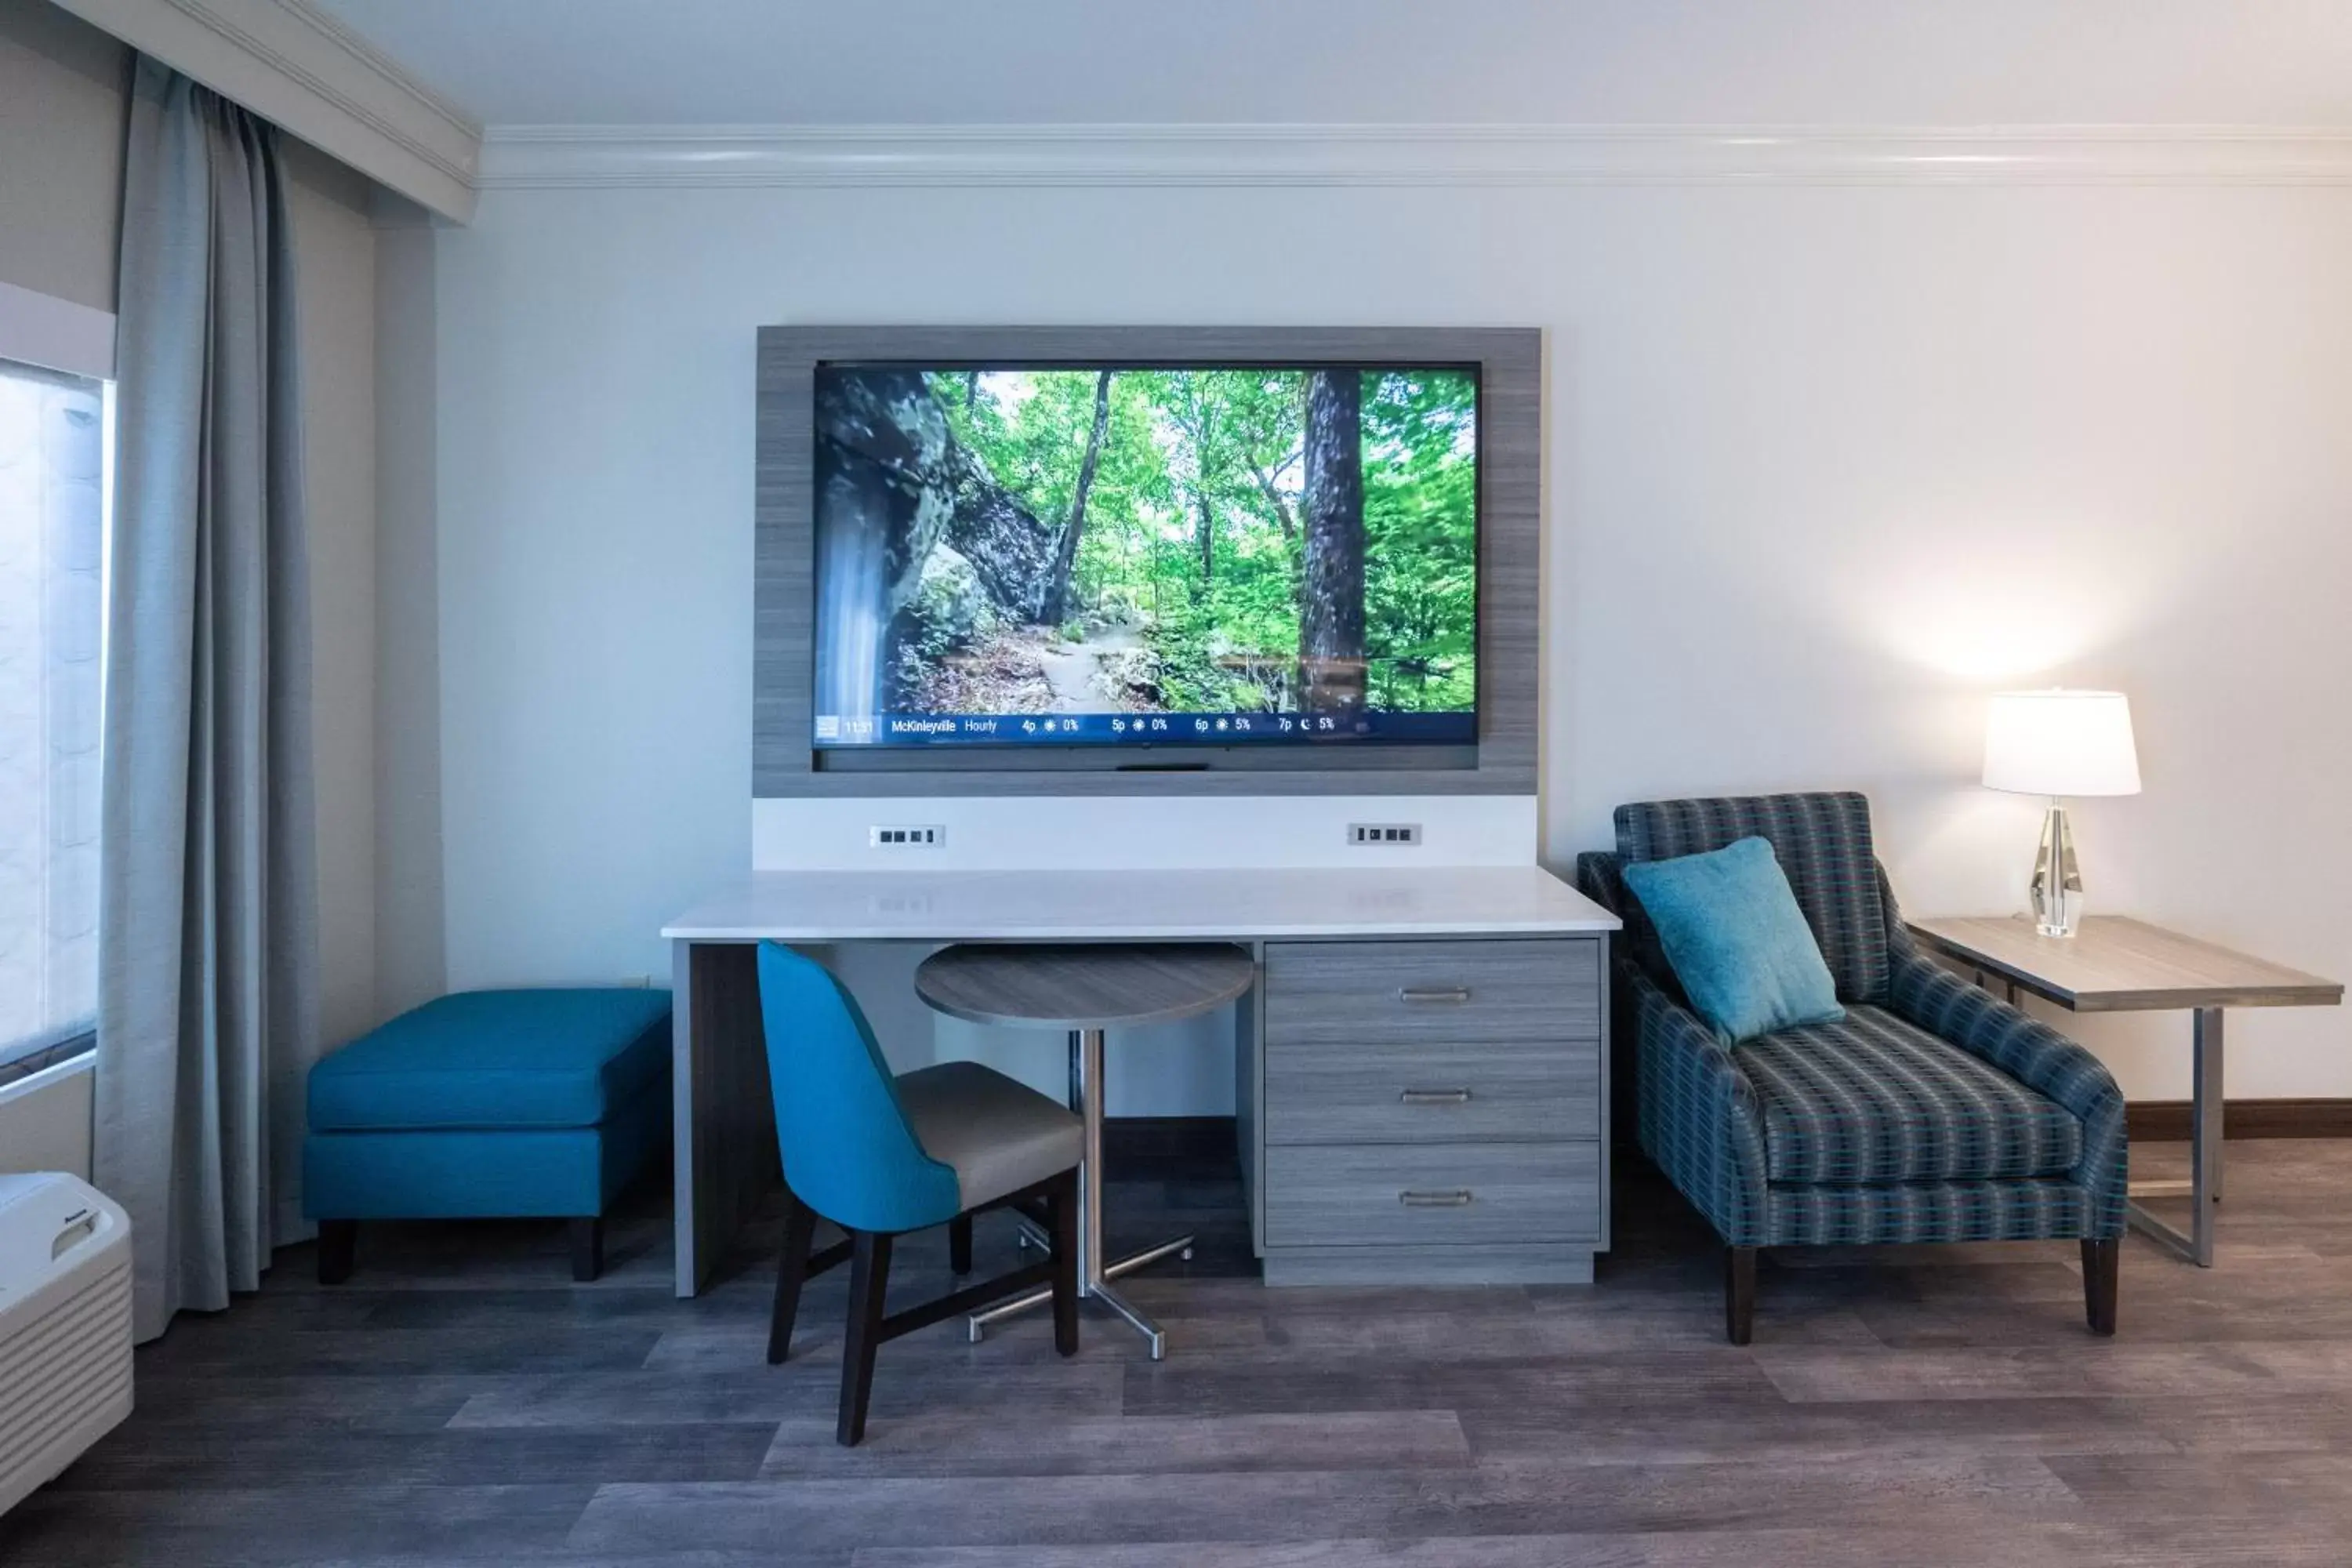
{"x":52,"y":541}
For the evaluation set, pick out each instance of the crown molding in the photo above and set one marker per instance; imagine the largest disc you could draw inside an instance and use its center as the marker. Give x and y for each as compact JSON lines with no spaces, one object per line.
{"x":294,"y":65}
{"x":460,"y":129}
{"x":522,"y":157}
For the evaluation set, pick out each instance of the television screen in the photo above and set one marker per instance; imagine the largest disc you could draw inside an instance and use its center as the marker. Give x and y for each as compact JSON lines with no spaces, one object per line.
{"x":1135,"y":555}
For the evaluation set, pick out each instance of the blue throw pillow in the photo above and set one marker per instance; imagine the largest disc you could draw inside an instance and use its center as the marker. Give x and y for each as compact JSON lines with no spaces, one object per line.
{"x":1737,"y":940}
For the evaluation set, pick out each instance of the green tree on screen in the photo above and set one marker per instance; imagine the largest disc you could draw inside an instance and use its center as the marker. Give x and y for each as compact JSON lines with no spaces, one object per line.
{"x":1189,"y":566}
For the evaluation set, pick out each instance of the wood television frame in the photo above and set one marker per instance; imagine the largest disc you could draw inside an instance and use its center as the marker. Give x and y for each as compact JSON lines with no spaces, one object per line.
{"x":785,"y":763}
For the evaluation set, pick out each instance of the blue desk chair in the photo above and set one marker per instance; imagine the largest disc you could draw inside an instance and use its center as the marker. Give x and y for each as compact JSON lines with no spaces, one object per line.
{"x":880,"y":1156}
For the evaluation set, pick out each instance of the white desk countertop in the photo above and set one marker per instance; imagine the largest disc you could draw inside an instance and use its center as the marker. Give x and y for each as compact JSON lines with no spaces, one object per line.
{"x":1127,"y":906}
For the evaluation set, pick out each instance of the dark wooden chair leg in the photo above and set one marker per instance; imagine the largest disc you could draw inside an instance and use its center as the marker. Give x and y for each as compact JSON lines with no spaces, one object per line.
{"x":792,"y":1271}
{"x":1062,"y":1207}
{"x":338,"y":1247}
{"x":2102,"y":1266}
{"x":1738,"y":1294}
{"x":587,"y":1249}
{"x":960,"y":1245}
{"x":869,"y":1279}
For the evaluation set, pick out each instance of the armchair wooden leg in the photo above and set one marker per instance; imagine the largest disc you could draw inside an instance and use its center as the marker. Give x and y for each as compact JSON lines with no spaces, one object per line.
{"x":792,"y":1270}
{"x":869,"y":1280}
{"x":587,"y":1249}
{"x":1738,"y":1294}
{"x":960,"y":1245}
{"x":1063,"y":1210}
{"x":338,"y":1247}
{"x":2102,"y":1266}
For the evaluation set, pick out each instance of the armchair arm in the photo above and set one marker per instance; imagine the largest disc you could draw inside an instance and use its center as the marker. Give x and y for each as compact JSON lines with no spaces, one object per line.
{"x":1696,"y":1114}
{"x":1599,"y":877}
{"x":1699,"y":1119}
{"x":2039,"y":1056}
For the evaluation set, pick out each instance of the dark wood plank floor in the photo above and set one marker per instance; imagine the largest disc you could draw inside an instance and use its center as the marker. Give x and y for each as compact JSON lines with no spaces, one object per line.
{"x":461,"y":1402}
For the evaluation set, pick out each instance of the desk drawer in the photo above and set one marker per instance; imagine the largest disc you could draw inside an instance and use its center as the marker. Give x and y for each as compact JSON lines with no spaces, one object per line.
{"x":1440,"y":992}
{"x":1431,"y":1194}
{"x":1410,"y":1092}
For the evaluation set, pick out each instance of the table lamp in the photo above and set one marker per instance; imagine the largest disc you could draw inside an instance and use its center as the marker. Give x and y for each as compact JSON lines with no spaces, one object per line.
{"x":2057,"y":744}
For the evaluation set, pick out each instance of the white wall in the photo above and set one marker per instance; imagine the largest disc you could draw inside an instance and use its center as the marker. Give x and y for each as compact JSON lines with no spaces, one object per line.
{"x":1825,"y":466}
{"x":410,"y":960}
{"x":335,"y":259}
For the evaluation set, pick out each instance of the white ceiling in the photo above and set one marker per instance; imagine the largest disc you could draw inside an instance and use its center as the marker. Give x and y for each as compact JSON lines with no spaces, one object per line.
{"x":1591,"y":62}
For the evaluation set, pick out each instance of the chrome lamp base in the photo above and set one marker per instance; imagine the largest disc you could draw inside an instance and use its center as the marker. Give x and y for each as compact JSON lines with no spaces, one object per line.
{"x":2057,"y":888}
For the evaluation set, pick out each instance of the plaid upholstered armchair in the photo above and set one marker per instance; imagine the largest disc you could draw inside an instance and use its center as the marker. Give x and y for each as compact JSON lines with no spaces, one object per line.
{"x":1932,"y":1113}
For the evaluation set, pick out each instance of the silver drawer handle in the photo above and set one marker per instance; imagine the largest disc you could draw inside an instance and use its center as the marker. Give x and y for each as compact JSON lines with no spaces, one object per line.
{"x":1433,"y":993}
{"x":1436,"y":1096}
{"x":1458,"y":1198}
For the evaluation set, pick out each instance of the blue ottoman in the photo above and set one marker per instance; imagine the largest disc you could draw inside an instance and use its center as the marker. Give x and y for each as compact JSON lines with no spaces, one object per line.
{"x":488,"y":1105}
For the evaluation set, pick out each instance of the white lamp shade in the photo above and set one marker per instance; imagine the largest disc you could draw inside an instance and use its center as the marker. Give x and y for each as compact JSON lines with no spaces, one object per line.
{"x":2060,"y":742}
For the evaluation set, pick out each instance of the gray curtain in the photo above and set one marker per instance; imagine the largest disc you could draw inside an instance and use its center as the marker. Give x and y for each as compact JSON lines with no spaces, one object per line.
{"x":207,"y":1007}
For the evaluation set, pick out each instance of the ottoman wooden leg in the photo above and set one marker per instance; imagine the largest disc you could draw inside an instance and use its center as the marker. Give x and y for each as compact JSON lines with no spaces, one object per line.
{"x":337,"y":1245}
{"x":587,"y":1249}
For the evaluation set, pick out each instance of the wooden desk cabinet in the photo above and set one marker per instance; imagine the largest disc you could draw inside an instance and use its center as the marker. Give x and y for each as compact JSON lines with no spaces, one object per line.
{"x":1421,"y":1082}
{"x":1427,"y":1111}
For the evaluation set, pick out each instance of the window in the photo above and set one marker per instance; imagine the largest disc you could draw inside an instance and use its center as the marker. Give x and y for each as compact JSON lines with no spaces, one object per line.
{"x":54,"y":495}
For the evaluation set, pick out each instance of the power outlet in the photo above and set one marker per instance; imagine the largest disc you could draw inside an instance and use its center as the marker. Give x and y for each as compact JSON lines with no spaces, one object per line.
{"x":1383,"y":833}
{"x":930,"y":837}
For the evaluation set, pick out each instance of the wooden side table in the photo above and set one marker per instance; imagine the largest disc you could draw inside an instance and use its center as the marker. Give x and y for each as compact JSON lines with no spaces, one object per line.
{"x":2121,"y":965}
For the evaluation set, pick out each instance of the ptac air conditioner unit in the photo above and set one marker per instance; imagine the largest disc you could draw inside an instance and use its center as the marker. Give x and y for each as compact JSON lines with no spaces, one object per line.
{"x":64,"y":1326}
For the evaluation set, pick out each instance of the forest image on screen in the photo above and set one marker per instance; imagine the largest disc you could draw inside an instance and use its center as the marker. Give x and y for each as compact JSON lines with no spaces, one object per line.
{"x":1124,"y":555}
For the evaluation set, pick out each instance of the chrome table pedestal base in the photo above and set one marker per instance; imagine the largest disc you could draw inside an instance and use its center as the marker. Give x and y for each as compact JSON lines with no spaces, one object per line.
{"x":2203,"y":1187}
{"x":1094,"y":1275}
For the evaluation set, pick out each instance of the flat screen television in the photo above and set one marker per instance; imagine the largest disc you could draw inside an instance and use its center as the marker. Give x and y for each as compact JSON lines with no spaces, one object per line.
{"x":1146,"y":555}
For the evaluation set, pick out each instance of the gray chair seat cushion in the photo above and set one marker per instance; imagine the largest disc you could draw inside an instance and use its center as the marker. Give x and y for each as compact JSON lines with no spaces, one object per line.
{"x":999,"y":1136}
{"x":1875,"y":1098}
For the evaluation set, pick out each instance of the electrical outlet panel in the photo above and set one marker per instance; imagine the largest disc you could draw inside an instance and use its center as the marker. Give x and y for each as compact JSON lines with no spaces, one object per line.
{"x":928,"y":837}
{"x":1384,"y":833}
